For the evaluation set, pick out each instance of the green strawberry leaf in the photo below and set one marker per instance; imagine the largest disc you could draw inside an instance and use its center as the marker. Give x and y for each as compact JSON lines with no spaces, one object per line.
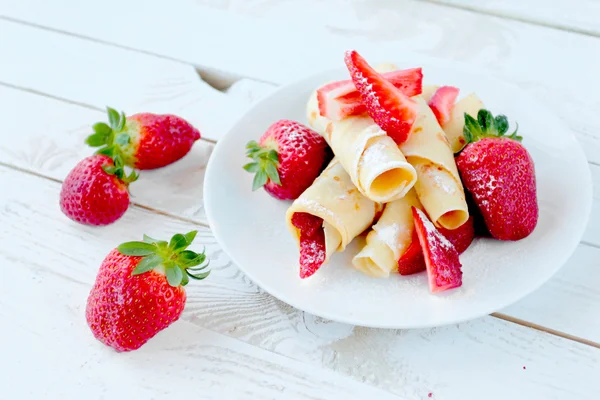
{"x":178,"y":243}
{"x":102,"y":128}
{"x":271,"y":172}
{"x":96,"y":140}
{"x":185,"y":279}
{"x":200,"y":276}
{"x":252,"y":167}
{"x":113,"y":118}
{"x":486,"y":122}
{"x":148,"y":263}
{"x":107,"y":151}
{"x":136,"y":249}
{"x":109,"y":169}
{"x":122,"y":120}
{"x":259,"y":180}
{"x":122,"y":139}
{"x":174,"y":275}
{"x":501,"y":124}
{"x":190,"y":236}
{"x":188,"y":258}
{"x":150,"y":240}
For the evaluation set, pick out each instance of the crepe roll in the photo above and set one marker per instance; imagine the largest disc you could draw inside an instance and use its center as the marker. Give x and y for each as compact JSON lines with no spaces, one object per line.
{"x":370,"y":157}
{"x":438,"y":186}
{"x":388,"y":239}
{"x":343,"y":211}
{"x":470,"y":104}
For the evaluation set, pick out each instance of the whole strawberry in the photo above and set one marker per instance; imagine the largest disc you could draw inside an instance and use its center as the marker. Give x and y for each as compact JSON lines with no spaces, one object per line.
{"x":499,"y":173}
{"x":139,"y":290}
{"x":95,"y":192}
{"x":287,"y":159}
{"x":144,"y":141}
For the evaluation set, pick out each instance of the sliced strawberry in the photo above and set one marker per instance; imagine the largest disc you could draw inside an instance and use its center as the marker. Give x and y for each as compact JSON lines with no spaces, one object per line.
{"x":312,"y":243}
{"x":412,"y":261}
{"x":340,"y":99}
{"x":393,"y":111}
{"x":442,"y":102}
{"x":441,"y":258}
{"x":461,"y":237}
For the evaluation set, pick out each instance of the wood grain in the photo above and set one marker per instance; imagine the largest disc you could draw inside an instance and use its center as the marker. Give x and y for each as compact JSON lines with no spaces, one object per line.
{"x":60,"y":269}
{"x":534,"y":57}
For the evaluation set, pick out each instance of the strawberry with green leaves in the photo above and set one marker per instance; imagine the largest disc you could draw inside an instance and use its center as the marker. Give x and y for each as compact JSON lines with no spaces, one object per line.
{"x":499,"y":173}
{"x":145,"y":140}
{"x":287,"y":159}
{"x":96,"y":191}
{"x":139,"y":289}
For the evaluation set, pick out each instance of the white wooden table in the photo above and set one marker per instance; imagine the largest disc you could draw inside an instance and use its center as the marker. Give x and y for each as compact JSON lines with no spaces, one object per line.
{"x":62,"y":61}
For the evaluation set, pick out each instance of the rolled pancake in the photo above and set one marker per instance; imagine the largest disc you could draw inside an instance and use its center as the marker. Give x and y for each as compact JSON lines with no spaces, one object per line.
{"x":372,"y":159}
{"x":388,"y":239}
{"x":470,"y":104}
{"x":345,"y":212}
{"x":438,"y":186}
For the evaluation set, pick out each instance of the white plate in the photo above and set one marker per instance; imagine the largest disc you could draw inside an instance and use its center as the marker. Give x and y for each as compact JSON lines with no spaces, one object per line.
{"x":250,"y":226}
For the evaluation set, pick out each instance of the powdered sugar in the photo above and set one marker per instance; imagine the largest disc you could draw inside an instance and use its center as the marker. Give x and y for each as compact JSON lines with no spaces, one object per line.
{"x":373,"y":154}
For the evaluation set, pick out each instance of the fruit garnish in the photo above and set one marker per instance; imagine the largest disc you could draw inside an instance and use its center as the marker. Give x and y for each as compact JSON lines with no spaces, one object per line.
{"x":393,"y":111}
{"x":499,"y":173}
{"x":341,"y":99}
{"x":312,"y":243}
{"x":145,"y":140}
{"x":139,"y":290}
{"x":441,"y":258}
{"x":287,"y":159}
{"x":442,"y":102}
{"x":413,"y":261}
{"x":95,"y":192}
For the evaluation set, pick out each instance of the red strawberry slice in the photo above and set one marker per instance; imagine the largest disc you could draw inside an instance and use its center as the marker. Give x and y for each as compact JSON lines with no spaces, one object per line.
{"x":442,"y":102}
{"x":441,"y":258}
{"x":338,"y":100}
{"x":412,"y":261}
{"x":461,"y":237}
{"x":312,"y":243}
{"x":392,"y":110}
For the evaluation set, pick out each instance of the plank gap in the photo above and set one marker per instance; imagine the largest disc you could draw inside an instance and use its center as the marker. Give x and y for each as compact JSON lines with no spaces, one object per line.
{"x":541,"y":328}
{"x":513,"y":17}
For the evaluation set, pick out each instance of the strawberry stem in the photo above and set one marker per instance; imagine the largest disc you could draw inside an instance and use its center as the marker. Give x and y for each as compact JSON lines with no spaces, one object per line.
{"x":486,"y":125}
{"x":110,"y":138}
{"x":178,"y":263}
{"x":264,"y":164}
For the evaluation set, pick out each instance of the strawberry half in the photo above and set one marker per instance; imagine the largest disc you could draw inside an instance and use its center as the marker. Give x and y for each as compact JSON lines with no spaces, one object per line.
{"x":312,"y":243}
{"x":338,"y":100}
{"x":287,"y":159}
{"x":412,"y":261}
{"x":442,"y":102}
{"x":499,"y":173}
{"x":441,"y":258}
{"x":392,"y":110}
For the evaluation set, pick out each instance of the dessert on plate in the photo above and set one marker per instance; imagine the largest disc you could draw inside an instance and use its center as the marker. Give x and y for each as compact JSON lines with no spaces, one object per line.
{"x":414,"y":167}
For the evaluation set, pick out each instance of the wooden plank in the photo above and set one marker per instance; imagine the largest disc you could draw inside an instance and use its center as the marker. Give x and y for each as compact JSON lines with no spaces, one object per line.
{"x":209,"y":38}
{"x":98,"y":75}
{"x":582,"y":16}
{"x":46,"y":317}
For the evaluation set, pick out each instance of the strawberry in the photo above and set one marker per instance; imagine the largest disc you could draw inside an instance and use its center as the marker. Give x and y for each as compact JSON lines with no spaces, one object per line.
{"x":393,"y":111}
{"x":500,"y":175}
{"x":442,"y":102}
{"x":287,"y":159}
{"x":413,"y":261}
{"x":139,"y":290}
{"x":144,"y":141}
{"x":312,"y":243}
{"x":441,"y":258}
{"x":338,"y":100}
{"x":95,"y":192}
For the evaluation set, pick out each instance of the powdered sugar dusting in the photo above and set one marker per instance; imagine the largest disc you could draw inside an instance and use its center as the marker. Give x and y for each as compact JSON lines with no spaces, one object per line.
{"x":391,"y":233}
{"x":318,"y":208}
{"x":373,"y":154}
